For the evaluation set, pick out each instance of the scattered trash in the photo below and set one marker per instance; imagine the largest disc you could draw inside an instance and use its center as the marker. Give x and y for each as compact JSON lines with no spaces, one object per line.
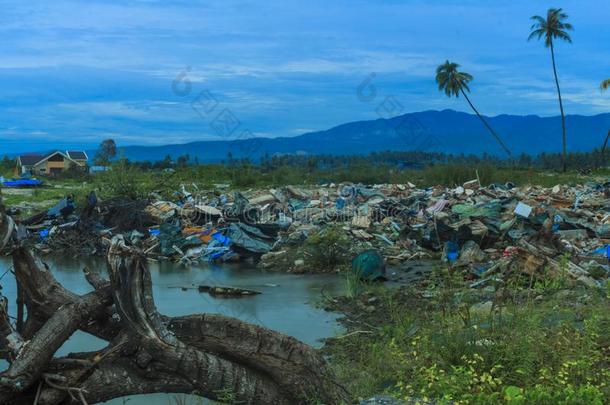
{"x":63,"y":208}
{"x":249,"y":238}
{"x":476,"y":229}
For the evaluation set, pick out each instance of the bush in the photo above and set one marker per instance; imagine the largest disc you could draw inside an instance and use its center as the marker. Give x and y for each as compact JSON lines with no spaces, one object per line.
{"x":327,"y":250}
{"x":127,"y":181}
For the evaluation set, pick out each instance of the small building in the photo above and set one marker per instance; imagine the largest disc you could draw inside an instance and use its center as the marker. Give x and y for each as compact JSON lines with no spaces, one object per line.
{"x":51,"y":163}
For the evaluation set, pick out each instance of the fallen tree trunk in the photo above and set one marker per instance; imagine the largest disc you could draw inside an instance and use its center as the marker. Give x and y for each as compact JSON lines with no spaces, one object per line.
{"x":213,"y":356}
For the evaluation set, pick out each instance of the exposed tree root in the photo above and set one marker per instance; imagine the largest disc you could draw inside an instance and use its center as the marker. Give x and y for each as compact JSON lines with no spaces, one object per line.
{"x":208,"y":355}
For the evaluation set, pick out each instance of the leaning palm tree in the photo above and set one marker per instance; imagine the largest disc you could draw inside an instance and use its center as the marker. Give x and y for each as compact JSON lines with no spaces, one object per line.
{"x":554,"y":27}
{"x":453,"y":83}
{"x":605,"y":84}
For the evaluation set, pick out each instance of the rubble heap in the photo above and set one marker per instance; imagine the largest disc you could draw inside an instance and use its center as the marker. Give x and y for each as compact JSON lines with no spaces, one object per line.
{"x":480,"y":229}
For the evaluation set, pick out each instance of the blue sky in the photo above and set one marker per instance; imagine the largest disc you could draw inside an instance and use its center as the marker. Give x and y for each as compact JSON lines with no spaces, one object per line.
{"x":73,"y":73}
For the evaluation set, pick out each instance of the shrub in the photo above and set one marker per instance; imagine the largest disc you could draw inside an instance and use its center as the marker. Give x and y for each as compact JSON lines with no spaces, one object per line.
{"x":327,"y":250}
{"x":128,"y":181}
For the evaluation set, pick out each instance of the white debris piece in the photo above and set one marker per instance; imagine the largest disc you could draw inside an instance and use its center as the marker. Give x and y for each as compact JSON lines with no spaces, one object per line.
{"x":523,"y":210}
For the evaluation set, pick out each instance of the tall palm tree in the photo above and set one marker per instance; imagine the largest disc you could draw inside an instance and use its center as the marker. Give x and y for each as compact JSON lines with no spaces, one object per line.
{"x":604,"y":86}
{"x":553,"y":27}
{"x":453,"y":83}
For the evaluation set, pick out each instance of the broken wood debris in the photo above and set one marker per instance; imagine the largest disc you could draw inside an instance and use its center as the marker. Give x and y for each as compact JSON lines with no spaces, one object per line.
{"x":219,"y":291}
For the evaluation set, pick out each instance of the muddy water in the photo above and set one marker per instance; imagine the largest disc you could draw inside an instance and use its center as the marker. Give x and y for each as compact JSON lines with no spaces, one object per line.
{"x":287,"y":303}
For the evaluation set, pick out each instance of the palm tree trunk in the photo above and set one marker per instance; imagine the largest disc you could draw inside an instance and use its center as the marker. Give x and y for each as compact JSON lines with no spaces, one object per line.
{"x":603,"y":152}
{"x":563,"y":117}
{"x":486,"y":124}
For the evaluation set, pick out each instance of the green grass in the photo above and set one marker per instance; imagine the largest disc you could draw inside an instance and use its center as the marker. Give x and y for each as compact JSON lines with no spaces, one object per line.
{"x":553,"y":349}
{"x":44,"y":197}
{"x":129,"y":181}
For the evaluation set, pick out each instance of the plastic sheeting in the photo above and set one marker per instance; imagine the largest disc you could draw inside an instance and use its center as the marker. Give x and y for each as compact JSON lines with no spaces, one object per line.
{"x":249,"y":238}
{"x":22,"y":183}
{"x":64,"y":208}
{"x":171,"y":235}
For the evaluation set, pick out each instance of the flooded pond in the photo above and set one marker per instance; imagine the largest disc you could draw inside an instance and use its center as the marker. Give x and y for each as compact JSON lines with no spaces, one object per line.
{"x":287,"y":303}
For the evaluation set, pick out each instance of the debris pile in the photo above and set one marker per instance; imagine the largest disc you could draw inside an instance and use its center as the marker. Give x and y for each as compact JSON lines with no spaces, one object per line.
{"x":482,"y":230}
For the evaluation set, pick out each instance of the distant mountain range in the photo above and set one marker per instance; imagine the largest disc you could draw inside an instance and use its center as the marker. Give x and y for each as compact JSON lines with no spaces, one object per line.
{"x":434,"y":131}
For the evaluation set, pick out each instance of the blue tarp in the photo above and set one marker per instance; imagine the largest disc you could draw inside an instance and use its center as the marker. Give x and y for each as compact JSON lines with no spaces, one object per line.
{"x":22,"y":183}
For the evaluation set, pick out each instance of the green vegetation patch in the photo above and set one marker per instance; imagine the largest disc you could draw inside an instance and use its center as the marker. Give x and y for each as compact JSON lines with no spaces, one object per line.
{"x":454,"y":345}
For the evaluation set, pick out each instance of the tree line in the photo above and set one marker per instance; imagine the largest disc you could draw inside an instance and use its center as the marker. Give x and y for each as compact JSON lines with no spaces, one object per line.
{"x":395,"y":160}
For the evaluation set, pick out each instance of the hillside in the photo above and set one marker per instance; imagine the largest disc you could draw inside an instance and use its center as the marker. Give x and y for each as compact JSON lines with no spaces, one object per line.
{"x":441,"y":131}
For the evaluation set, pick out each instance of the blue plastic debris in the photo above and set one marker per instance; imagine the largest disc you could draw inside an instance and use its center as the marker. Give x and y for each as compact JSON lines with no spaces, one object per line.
{"x":224,"y":240}
{"x":43,"y":234}
{"x":340,"y":203}
{"x":452,"y":251}
{"x":557,"y":219}
{"x":602,"y":250}
{"x":22,"y":183}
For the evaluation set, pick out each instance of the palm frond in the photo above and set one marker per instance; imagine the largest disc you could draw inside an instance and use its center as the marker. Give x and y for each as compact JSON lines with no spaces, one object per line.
{"x":560,"y":14}
{"x":536,"y":34}
{"x":553,"y":27}
{"x":563,"y":35}
{"x":450,"y":80}
{"x":466,"y":77}
{"x":605,"y":85}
